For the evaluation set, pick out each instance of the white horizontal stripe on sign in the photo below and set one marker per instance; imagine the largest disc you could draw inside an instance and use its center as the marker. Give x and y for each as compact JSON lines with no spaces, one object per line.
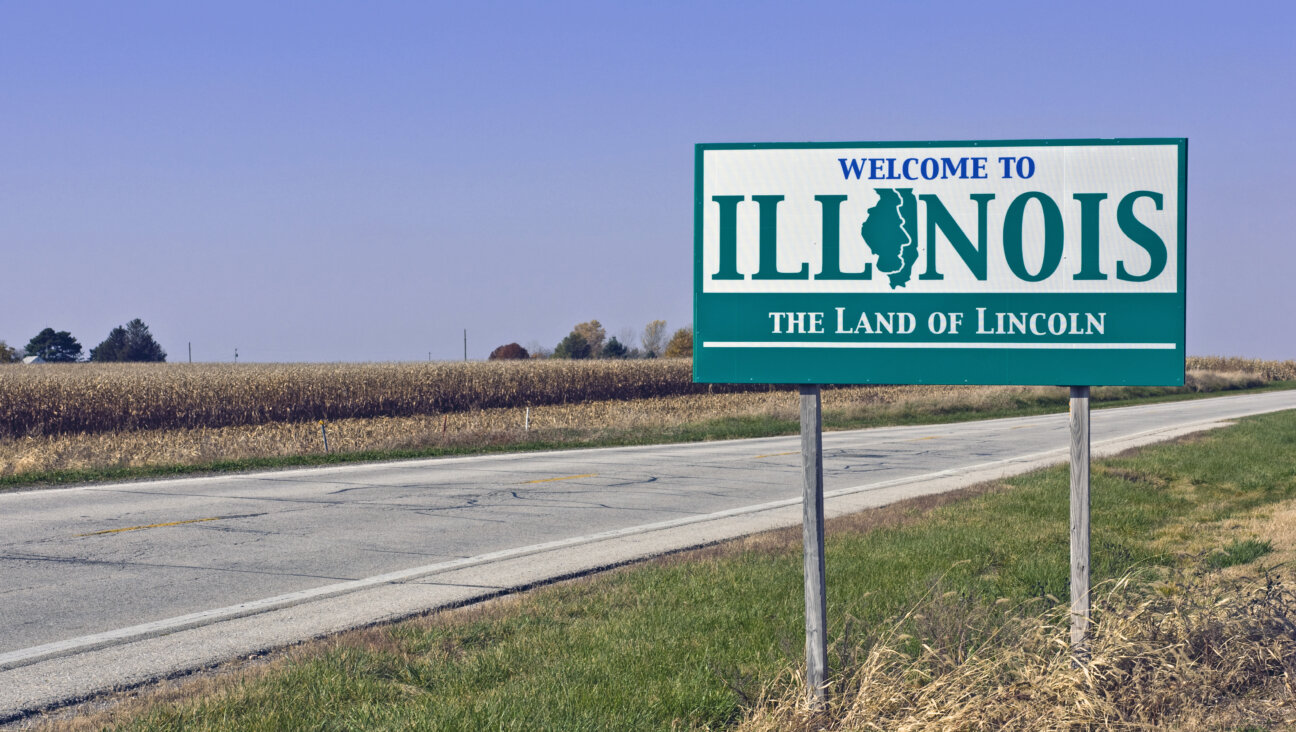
{"x":894,"y":344}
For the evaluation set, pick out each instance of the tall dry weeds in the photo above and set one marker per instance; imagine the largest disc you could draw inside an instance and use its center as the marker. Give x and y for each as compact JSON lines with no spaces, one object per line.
{"x":1195,"y":652}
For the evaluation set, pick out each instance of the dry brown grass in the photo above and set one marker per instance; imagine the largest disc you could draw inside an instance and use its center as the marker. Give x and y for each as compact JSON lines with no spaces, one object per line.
{"x":557,"y":423}
{"x":1192,"y":653}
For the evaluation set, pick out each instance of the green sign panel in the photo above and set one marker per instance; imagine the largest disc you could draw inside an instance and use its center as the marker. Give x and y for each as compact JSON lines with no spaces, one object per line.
{"x":986,"y":262}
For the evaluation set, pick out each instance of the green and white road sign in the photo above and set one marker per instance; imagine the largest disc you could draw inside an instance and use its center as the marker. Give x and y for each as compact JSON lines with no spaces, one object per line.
{"x":987,"y":262}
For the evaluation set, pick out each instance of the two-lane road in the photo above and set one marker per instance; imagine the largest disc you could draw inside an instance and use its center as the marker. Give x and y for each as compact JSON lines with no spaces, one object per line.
{"x":111,"y":584}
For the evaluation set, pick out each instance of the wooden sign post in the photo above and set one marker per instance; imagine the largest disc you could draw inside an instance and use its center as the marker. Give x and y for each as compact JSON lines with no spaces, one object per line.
{"x":1079,"y":522}
{"x":812,"y":501}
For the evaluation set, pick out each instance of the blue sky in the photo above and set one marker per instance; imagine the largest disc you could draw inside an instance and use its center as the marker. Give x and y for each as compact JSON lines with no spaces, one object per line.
{"x":317,"y":181}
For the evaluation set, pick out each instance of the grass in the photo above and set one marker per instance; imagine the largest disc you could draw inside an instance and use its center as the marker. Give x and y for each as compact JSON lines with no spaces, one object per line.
{"x":1192,"y":653}
{"x":1239,"y":551}
{"x":708,"y":639}
{"x":72,"y":459}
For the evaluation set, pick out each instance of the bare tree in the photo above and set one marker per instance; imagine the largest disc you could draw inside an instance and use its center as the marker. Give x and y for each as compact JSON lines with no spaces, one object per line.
{"x":654,"y":338}
{"x":627,"y":337}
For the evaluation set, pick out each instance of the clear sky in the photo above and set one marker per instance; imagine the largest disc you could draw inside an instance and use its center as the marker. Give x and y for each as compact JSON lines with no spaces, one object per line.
{"x":326,"y":181}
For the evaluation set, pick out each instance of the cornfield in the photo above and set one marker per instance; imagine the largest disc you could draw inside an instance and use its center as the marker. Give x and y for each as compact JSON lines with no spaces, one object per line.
{"x":99,"y":398}
{"x":91,"y":398}
{"x":1268,"y":370}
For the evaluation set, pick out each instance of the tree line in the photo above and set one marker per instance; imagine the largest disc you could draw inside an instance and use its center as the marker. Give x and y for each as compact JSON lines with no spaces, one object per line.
{"x":130,"y":342}
{"x":589,"y":340}
{"x":134,"y":342}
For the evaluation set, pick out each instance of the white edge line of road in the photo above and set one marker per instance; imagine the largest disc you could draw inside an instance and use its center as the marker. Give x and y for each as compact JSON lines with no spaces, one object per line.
{"x":450,"y":459}
{"x":81,"y":644}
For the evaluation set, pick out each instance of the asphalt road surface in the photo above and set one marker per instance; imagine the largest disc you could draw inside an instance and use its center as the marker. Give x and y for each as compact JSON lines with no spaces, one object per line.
{"x":111,"y":585}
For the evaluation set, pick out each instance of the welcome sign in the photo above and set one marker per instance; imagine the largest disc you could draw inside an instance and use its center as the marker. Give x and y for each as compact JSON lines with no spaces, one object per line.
{"x":1004,"y":262}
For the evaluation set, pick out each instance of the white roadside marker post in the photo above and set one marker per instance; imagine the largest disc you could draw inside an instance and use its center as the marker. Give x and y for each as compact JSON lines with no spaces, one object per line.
{"x":813,"y":533}
{"x":1080,"y":524}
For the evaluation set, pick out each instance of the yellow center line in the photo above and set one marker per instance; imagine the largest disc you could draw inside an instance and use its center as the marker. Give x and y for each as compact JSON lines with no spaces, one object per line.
{"x":156,"y":526}
{"x":920,"y":439}
{"x":776,"y":454}
{"x":1024,"y":426}
{"x":565,"y":477}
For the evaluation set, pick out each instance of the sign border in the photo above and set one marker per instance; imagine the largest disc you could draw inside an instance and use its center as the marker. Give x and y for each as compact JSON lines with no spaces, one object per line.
{"x":1180,"y":143}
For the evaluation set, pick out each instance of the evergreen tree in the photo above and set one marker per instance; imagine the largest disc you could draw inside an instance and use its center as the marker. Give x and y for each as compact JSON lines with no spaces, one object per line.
{"x":54,"y":346}
{"x":133,"y":342}
{"x":614,"y":349}
{"x":113,"y":348}
{"x":573,"y":346}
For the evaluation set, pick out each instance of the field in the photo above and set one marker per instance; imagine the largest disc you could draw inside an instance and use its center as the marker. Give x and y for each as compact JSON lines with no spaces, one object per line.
{"x":59,"y":421}
{"x":90,"y":398}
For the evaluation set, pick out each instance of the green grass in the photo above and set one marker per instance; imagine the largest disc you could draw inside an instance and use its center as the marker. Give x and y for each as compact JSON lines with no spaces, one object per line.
{"x":683,"y":641}
{"x":729,"y":428}
{"x":1239,"y":551}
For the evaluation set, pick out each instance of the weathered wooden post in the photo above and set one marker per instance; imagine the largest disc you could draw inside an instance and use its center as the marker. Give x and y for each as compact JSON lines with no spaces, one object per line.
{"x":816,"y":614}
{"x":1080,"y":523}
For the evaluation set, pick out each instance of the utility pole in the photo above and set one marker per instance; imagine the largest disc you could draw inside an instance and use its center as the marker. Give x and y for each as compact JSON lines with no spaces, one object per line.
{"x":190,"y":351}
{"x":465,"y":344}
